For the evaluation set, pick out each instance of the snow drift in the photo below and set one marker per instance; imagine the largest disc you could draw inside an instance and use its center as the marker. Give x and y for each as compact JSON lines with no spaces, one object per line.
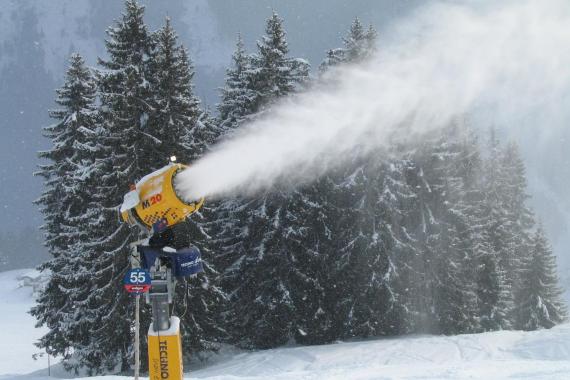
{"x":501,"y":62}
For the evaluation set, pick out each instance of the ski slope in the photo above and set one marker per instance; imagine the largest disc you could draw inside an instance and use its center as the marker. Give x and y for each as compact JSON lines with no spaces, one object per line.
{"x":17,"y":332}
{"x":499,"y":355}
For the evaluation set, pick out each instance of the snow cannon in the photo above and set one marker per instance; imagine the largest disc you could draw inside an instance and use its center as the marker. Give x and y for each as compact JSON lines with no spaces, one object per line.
{"x":154,"y":204}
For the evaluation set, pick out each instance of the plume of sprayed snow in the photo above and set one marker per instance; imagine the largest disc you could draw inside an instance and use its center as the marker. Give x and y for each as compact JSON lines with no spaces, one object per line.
{"x":508,"y":60}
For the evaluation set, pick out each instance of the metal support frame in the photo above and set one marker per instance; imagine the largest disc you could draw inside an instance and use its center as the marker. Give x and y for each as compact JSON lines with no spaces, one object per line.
{"x":161,"y":295}
{"x":164,"y":341}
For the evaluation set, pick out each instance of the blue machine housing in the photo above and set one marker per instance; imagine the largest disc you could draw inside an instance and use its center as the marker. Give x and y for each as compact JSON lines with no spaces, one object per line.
{"x":184,"y":262}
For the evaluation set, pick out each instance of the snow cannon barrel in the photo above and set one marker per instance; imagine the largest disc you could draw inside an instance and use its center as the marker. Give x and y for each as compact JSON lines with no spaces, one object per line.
{"x":155,"y":204}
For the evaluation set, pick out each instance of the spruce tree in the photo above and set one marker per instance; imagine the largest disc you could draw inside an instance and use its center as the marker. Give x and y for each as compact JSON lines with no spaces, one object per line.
{"x":274,"y":73}
{"x":327,"y":258}
{"x":496,"y":291}
{"x":309,"y":243}
{"x":430,"y":231}
{"x":508,"y":223}
{"x":455,"y":161}
{"x":126,"y":105}
{"x":257,"y":269}
{"x":237,"y":95}
{"x":186,"y":132}
{"x":150,"y":113}
{"x":227,"y":229}
{"x":397,"y":211}
{"x":472,"y":237}
{"x":125,"y":91}
{"x":284,"y":270}
{"x":355,"y":268}
{"x":519,"y":217}
{"x":378,"y":244}
{"x":71,"y":144}
{"x":262,"y":303}
{"x":67,"y":206}
{"x":175,"y":109}
{"x":539,"y":298}
{"x":359,"y":44}
{"x":441,"y":287}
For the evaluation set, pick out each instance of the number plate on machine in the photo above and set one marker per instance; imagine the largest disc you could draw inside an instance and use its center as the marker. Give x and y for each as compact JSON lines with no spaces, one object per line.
{"x":137,"y":281}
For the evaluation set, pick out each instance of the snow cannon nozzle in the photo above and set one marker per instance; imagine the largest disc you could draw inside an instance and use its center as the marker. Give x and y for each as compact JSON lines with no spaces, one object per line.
{"x":155,"y":203}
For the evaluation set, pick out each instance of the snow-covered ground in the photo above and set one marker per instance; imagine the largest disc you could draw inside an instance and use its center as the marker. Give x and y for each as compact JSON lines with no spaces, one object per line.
{"x":500,"y":355}
{"x":17,"y":332}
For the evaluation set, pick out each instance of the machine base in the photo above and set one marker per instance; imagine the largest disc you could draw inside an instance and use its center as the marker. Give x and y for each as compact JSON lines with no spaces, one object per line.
{"x":165,"y":352}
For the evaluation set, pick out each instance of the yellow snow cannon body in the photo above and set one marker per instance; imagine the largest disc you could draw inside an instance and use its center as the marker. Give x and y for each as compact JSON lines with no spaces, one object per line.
{"x":154,"y":204}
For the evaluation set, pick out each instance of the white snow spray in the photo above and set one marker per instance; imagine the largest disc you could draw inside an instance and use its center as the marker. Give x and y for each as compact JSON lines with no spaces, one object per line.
{"x":507,"y":61}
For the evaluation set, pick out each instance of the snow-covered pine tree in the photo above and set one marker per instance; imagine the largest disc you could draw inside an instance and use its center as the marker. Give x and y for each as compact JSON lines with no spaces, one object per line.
{"x":150,"y":113}
{"x":377,"y":244}
{"x":428,"y":231}
{"x":480,"y":263}
{"x":397,"y":211}
{"x":227,"y":229}
{"x":348,"y":194}
{"x":238,"y":95}
{"x":309,"y":244}
{"x":256,"y":267}
{"x":129,"y":143}
{"x":353,"y":260}
{"x":125,"y":92}
{"x":198,"y":138}
{"x":359,"y":44}
{"x":91,"y":282}
{"x":322,"y":256}
{"x":518,"y":254}
{"x":66,"y":205}
{"x":274,"y":73}
{"x":226,"y":224}
{"x":125,"y":97}
{"x":284,"y":268}
{"x":510,"y":221}
{"x":440,"y":288}
{"x":494,"y":299}
{"x":261,"y":303}
{"x":175,"y":110}
{"x":455,"y":160}
{"x":186,"y":132}
{"x":350,"y":278}
{"x":494,"y":289}
{"x":539,"y":301}
{"x":427,"y":228}
{"x":472,"y":240}
{"x":520,"y":218}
